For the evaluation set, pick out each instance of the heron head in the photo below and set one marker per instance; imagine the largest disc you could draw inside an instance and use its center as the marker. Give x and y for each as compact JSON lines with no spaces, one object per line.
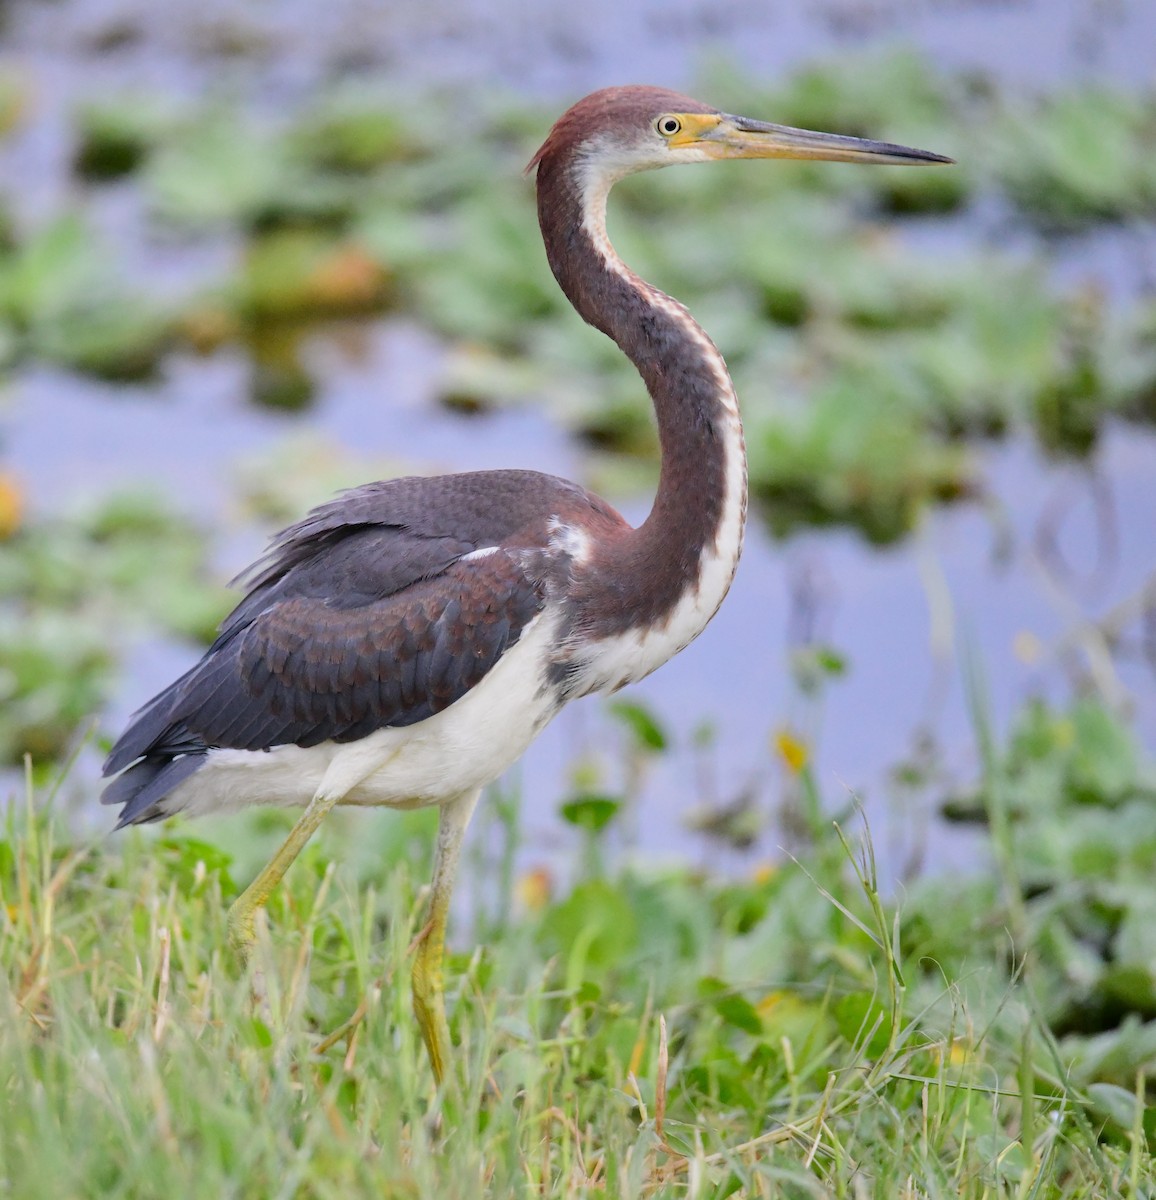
{"x":619,"y":131}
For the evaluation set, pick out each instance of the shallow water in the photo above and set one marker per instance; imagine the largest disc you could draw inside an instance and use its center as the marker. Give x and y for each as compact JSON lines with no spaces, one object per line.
{"x":558,"y":49}
{"x":970,"y":578}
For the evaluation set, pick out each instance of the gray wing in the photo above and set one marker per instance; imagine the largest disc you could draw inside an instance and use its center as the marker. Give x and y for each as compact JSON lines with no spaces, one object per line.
{"x":349,"y":627}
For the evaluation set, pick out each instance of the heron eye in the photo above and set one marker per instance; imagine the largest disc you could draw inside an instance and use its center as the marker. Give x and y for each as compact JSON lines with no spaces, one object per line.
{"x":668,"y":126}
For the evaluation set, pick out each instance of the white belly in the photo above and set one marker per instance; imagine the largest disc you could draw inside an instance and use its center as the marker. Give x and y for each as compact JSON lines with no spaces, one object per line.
{"x":455,"y":752}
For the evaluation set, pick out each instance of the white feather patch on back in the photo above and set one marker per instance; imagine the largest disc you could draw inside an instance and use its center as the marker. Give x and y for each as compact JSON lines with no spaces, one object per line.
{"x":569,"y":540}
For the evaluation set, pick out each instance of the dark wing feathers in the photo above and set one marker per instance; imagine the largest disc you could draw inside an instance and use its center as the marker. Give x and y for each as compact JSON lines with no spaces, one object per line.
{"x":364,"y":615}
{"x":479,"y":508}
{"x":313,"y":673}
{"x":303,"y":672}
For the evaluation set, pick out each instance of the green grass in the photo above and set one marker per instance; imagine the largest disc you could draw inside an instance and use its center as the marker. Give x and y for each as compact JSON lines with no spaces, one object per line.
{"x":642,"y":1033}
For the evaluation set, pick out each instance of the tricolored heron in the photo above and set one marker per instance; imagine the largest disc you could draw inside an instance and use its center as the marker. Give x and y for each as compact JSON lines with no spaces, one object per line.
{"x":403,"y":644}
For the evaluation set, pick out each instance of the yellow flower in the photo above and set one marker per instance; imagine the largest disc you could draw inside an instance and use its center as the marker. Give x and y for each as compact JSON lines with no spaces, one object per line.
{"x":770,"y":1002}
{"x":534,"y":889}
{"x":11,"y":505}
{"x":792,"y":750}
{"x":765,"y":872}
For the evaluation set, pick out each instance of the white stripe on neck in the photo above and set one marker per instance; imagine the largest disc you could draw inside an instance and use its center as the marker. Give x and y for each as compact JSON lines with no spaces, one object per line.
{"x":624,"y":658}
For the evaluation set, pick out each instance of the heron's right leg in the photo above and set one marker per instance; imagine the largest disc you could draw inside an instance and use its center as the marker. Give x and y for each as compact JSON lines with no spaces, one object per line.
{"x":428,"y":997}
{"x":243,"y":914}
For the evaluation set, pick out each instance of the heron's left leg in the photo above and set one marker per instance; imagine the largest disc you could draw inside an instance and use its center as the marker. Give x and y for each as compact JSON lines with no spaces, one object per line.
{"x":428,"y":997}
{"x":243,"y":914}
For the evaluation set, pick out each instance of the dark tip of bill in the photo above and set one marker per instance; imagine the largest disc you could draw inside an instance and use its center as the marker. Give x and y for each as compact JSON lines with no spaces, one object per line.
{"x":925,"y":156}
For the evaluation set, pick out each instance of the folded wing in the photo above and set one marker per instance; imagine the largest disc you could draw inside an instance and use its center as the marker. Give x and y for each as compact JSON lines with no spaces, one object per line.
{"x":347,"y":629}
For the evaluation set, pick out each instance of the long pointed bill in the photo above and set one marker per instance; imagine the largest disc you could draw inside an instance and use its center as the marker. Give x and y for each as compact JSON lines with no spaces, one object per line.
{"x":725,"y":136}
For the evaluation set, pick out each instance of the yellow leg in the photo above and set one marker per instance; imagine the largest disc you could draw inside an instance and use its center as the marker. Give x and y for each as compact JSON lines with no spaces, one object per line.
{"x":428,"y":997}
{"x":243,"y":914}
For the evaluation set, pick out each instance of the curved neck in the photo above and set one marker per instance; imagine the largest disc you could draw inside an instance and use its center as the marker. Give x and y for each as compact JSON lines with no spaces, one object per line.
{"x":686,"y":550}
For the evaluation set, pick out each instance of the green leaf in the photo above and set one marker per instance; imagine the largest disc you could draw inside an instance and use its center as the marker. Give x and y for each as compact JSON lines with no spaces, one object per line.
{"x":738,"y":1011}
{"x":588,"y":993}
{"x":189,"y":858}
{"x":860,"y":1014}
{"x":591,"y":812}
{"x":734,"y":1008}
{"x":642,"y":723}
{"x":594,"y":929}
{"x":262,"y":1034}
{"x":1103,"y":767}
{"x":1116,"y":1104}
{"x":1005,"y":1155}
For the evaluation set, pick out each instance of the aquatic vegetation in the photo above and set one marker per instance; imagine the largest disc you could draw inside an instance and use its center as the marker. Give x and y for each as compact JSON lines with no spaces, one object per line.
{"x":54,"y":674}
{"x":340,"y":210}
{"x":124,"y":340}
{"x":854,"y":456}
{"x":1079,"y":157}
{"x":72,"y":594}
{"x":220,"y":170}
{"x":1074,"y":799}
{"x":302,"y":471}
{"x":295,"y":273}
{"x":114,"y":135}
{"x":354,"y":129}
{"x":61,"y":300}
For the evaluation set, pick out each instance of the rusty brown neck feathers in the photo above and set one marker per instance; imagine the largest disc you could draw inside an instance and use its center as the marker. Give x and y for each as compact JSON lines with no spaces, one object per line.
{"x":640,"y":579}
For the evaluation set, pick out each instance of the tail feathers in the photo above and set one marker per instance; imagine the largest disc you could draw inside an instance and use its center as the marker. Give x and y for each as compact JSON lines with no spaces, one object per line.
{"x":141,"y":788}
{"x":155,"y":728}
